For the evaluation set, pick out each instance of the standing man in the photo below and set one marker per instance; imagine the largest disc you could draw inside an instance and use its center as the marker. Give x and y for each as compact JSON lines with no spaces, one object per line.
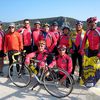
{"x":93,"y":37}
{"x":65,"y":37}
{"x":26,"y":36}
{"x":91,"y":73}
{"x":76,"y":45}
{"x":54,"y":31}
{"x":35,"y":34}
{"x":1,"y":49}
{"x":13,"y":42}
{"x":50,"y":39}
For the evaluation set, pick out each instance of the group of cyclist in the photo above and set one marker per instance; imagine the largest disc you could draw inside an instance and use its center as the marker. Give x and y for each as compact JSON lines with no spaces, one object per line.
{"x":40,"y":41}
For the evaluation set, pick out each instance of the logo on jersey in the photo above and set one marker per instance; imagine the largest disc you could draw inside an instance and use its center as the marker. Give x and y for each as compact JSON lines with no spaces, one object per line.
{"x":95,"y":34}
{"x":64,"y":61}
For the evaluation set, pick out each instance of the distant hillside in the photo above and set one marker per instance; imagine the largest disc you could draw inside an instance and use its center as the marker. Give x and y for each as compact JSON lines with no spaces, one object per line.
{"x":61,"y":20}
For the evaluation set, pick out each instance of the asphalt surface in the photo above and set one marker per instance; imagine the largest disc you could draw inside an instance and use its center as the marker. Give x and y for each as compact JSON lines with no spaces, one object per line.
{"x":8,"y":91}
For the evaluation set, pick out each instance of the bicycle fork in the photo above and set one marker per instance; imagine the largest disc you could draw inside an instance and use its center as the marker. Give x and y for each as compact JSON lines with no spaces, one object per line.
{"x":39,"y":81}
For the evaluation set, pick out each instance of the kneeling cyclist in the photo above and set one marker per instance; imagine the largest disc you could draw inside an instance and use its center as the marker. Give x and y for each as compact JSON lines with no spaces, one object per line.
{"x":62,"y":61}
{"x":40,"y":54}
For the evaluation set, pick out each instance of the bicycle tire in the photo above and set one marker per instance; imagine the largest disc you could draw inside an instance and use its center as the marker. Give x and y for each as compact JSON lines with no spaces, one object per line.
{"x":54,"y":87}
{"x":20,"y":77}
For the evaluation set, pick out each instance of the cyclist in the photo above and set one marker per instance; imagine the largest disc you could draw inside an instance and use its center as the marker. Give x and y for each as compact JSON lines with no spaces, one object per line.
{"x":13,"y":42}
{"x":65,"y":37}
{"x":40,"y":54}
{"x":26,"y":35}
{"x":76,"y":45}
{"x":62,"y":61}
{"x":93,"y":36}
{"x":1,"y":48}
{"x":51,"y":40}
{"x":35,"y":34}
{"x":54,"y":31}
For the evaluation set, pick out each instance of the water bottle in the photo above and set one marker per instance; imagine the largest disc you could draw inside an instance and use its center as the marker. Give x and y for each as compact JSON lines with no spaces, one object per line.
{"x":33,"y":68}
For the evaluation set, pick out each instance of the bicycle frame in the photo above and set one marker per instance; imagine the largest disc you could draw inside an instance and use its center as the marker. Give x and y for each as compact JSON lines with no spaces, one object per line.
{"x":36,"y":61}
{"x":44,"y":69}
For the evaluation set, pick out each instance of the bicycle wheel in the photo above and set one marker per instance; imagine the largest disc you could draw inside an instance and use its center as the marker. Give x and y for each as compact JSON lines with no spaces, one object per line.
{"x":54,"y":86}
{"x":19,"y":75}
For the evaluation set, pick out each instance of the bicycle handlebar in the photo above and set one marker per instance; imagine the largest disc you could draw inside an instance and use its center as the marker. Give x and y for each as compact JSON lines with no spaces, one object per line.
{"x":35,"y":60}
{"x":13,"y":56}
{"x":18,"y":53}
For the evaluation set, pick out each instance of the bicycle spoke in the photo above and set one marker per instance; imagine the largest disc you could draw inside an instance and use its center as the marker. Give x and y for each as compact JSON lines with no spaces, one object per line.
{"x":56,"y":87}
{"x":20,"y":79}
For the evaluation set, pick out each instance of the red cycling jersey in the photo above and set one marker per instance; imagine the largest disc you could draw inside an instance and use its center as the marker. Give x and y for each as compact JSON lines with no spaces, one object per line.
{"x":93,"y":39}
{"x":63,"y":62}
{"x":26,"y":35}
{"x":51,"y":40}
{"x":41,"y":56}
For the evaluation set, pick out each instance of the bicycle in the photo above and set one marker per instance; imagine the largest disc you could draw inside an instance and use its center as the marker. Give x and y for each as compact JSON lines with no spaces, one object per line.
{"x":20,"y":75}
{"x":50,"y":79}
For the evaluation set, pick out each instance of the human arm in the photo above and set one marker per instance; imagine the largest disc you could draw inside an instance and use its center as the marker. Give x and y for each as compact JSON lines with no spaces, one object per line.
{"x":52,"y":64}
{"x":5,"y":45}
{"x":54,"y":43}
{"x":28,"y":57}
{"x":20,"y":41}
{"x":81,"y":50}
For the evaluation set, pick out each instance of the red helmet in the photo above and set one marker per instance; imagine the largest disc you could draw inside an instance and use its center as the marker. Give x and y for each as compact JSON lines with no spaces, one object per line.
{"x":92,"y":19}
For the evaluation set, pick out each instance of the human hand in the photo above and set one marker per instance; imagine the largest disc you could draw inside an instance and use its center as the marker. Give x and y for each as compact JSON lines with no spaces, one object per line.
{"x":81,"y":52}
{"x":71,"y":51}
{"x":98,"y":55}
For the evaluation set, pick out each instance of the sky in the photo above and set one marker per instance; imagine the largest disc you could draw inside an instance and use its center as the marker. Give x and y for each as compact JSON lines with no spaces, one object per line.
{"x":14,"y":10}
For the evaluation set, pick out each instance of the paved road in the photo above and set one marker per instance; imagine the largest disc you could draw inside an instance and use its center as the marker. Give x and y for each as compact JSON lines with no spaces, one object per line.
{"x":8,"y":91}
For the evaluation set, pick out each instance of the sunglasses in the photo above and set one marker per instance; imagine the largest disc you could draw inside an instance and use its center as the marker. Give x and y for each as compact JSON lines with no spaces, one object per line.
{"x":11,"y":27}
{"x":62,"y":49}
{"x":41,"y":45}
{"x":26,"y":23}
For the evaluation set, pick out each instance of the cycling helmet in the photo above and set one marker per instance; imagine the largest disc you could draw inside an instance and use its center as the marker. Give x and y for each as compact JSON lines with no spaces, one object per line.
{"x":46,"y":24}
{"x":91,"y":19}
{"x":79,"y":23}
{"x":54,"y":24}
{"x":12,"y":25}
{"x":66,"y":27}
{"x":37,"y":22}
